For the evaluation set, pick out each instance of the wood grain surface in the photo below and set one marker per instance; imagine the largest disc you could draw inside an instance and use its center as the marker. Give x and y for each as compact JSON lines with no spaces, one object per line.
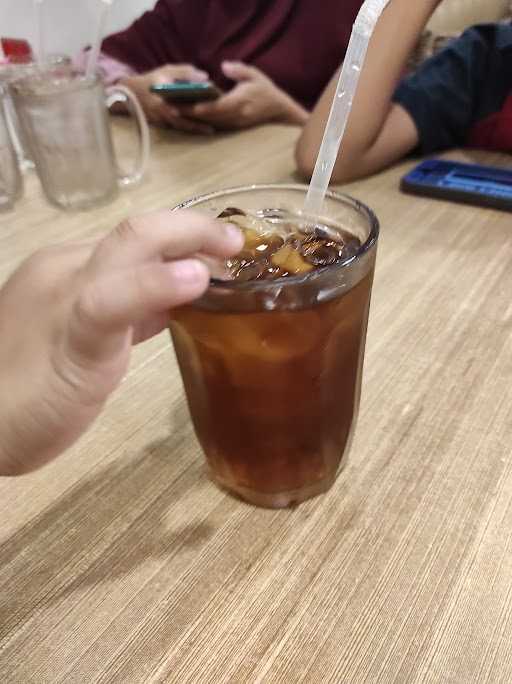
{"x":120,"y":562}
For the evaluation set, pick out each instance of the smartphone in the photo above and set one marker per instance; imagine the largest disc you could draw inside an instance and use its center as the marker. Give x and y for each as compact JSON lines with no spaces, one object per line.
{"x":485,"y":186}
{"x":186,"y":92}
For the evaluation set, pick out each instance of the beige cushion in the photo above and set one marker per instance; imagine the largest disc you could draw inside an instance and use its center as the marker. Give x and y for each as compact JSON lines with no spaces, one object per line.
{"x":456,"y":15}
{"x":451,"y":18}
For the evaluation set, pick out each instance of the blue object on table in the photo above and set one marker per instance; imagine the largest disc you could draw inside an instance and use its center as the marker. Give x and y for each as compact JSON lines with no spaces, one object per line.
{"x":485,"y":186}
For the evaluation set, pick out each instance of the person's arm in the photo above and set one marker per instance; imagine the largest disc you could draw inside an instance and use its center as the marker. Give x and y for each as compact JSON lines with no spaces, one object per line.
{"x":116,"y":65}
{"x":378,"y":132}
{"x":111,"y":70}
{"x":157,"y":110}
{"x":70,"y":314}
{"x":255,"y":99}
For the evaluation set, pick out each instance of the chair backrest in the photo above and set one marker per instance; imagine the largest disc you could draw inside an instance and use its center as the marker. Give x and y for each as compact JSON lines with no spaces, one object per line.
{"x":456,"y":15}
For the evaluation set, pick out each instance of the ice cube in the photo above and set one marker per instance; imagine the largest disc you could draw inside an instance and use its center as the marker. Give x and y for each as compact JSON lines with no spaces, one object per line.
{"x":251,"y":270}
{"x":289,"y":259}
{"x":321,"y":253}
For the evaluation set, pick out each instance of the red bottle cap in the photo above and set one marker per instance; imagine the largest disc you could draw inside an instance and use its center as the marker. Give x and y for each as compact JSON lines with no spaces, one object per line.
{"x":16,"y":51}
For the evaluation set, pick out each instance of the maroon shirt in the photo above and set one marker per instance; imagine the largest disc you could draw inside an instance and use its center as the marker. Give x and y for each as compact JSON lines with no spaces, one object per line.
{"x":297,"y":43}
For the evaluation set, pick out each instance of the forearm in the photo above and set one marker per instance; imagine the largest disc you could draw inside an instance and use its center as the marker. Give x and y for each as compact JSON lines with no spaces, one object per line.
{"x":293,"y":112}
{"x":111,"y":70}
{"x":394,"y":38}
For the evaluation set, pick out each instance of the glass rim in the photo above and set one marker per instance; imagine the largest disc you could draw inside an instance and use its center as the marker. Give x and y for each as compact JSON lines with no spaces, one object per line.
{"x":52,"y":59}
{"x":357,"y":205}
{"x":67,"y":83}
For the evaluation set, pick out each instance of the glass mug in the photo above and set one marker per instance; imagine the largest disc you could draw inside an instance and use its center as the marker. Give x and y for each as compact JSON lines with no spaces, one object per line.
{"x":12,"y":72}
{"x":65,"y":121}
{"x":272,"y":369}
{"x":11,"y":184}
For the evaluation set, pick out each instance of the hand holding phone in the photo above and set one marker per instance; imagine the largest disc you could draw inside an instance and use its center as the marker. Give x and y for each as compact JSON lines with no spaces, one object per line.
{"x":159,"y":111}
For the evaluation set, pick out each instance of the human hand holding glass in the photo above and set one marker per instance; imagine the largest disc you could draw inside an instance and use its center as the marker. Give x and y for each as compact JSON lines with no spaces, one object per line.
{"x":70,"y":314}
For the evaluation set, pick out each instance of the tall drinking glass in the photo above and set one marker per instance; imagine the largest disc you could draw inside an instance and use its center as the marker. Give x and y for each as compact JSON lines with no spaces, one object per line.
{"x":272,"y":369}
{"x":65,"y":120}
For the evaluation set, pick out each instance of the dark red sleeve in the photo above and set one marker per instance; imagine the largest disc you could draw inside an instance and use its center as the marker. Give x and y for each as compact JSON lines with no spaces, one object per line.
{"x":147,"y":43}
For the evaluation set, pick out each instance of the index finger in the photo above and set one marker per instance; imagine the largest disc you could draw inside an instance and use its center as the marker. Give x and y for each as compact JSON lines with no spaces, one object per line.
{"x":166,"y":235}
{"x":226,"y":104}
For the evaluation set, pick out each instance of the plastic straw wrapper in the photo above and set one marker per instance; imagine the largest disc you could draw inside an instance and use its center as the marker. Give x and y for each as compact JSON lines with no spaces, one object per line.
{"x":362,"y":31}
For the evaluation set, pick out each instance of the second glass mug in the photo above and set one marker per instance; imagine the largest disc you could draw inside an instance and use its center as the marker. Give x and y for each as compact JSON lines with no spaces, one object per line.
{"x":272,"y":369}
{"x":65,"y":120}
{"x":10,"y":72}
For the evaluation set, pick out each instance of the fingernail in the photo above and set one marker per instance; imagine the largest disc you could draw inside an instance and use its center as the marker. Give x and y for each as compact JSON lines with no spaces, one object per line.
{"x":234,"y":233}
{"x":188,"y":270}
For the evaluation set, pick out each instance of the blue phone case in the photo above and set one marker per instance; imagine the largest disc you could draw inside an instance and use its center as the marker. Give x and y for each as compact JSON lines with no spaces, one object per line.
{"x":484,"y":186}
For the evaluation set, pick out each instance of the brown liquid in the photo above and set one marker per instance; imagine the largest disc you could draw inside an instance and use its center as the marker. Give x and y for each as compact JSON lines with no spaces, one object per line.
{"x":273,"y":394}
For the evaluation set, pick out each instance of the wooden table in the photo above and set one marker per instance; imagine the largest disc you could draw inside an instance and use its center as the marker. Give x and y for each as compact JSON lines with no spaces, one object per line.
{"x":121,"y":562}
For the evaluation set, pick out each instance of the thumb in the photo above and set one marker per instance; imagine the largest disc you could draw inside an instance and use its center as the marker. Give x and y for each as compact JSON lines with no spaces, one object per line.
{"x":126,"y":297}
{"x":107,"y":307}
{"x":239,"y":71}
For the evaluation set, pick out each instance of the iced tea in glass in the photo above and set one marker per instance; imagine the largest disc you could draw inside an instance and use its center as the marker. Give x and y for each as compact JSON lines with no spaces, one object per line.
{"x":271,"y":357}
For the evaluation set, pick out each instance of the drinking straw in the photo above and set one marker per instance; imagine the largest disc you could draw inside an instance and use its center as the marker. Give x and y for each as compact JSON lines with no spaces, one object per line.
{"x":362,"y":31}
{"x":95,"y":48}
{"x":40,"y":46}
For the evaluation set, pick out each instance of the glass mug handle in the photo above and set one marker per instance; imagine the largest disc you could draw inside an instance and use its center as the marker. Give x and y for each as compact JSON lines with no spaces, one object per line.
{"x":120,"y":94}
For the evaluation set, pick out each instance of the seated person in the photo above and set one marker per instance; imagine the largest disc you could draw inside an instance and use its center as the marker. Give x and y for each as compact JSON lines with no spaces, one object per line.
{"x":460,"y":97}
{"x":272,"y":58}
